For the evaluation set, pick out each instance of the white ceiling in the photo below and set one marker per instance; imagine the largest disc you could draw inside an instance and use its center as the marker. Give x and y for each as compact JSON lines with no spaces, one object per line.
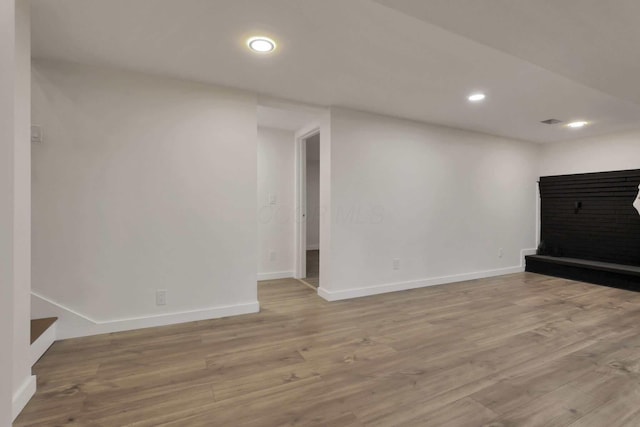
{"x":291,"y":116}
{"x":362,"y":54}
{"x":594,"y":42}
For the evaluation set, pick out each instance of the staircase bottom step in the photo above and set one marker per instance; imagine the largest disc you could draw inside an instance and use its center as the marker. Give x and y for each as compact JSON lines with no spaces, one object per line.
{"x":40,"y":326}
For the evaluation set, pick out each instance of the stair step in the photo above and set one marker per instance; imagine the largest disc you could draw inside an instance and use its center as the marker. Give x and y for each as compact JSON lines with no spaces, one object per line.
{"x":40,"y":326}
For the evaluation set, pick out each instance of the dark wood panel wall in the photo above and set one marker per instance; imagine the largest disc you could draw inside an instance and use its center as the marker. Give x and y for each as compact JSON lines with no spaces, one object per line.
{"x":591,"y":216}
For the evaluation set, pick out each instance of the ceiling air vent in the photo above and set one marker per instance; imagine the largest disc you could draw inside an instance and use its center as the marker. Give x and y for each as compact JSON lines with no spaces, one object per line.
{"x":551,"y":121}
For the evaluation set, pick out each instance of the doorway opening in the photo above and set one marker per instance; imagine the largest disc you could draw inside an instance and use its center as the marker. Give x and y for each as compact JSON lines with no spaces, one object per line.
{"x":312,"y":205}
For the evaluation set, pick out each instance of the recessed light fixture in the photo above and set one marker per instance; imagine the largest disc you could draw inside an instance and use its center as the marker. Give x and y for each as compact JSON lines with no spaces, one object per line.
{"x":477,"y":97}
{"x":261,"y":44}
{"x":577,"y":124}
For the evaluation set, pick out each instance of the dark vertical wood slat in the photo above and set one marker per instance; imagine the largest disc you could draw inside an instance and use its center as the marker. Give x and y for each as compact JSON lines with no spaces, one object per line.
{"x":605,"y":227}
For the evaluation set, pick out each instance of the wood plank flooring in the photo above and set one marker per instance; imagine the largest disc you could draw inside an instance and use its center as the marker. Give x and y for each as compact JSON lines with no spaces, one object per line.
{"x":519,"y":350}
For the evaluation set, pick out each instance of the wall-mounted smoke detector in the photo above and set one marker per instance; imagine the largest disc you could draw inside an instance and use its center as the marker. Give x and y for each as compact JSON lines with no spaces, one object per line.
{"x":551,"y":121}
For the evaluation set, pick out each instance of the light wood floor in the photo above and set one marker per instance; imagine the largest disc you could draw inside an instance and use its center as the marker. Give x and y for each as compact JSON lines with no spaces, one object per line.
{"x":520,"y":350}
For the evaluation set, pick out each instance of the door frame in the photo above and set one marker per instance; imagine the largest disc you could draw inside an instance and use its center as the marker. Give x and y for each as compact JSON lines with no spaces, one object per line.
{"x":301,"y":202}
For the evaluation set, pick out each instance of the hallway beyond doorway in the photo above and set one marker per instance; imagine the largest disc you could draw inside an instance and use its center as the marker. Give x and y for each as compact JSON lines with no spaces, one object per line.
{"x":313,"y":268}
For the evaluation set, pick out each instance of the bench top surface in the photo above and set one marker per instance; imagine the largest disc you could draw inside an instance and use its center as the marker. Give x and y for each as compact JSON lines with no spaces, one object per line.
{"x":597,"y":265}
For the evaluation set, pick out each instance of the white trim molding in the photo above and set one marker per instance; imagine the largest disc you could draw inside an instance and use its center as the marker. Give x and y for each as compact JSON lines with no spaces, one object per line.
{"x":523,"y":254}
{"x":414,"y":284}
{"x":22,"y":396}
{"x":42,"y":344}
{"x":276,"y":275}
{"x":72,"y":324}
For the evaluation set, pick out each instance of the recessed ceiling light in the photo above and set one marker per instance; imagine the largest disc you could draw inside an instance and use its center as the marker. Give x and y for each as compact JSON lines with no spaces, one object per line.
{"x":477,"y":97}
{"x":576,"y":125}
{"x":261,"y":44}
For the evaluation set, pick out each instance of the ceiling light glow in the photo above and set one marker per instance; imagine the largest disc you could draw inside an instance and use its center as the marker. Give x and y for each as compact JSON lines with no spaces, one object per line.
{"x":477,"y":97}
{"x":578,"y":124}
{"x":261,"y":44}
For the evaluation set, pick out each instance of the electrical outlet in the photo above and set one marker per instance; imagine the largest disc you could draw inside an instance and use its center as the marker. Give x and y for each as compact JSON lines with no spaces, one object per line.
{"x":500,"y":253}
{"x":161,"y":297}
{"x":272,"y":256}
{"x":396,"y":264}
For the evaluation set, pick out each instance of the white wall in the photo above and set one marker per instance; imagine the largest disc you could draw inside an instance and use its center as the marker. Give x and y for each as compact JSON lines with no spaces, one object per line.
{"x":597,"y":154}
{"x":313,"y":192}
{"x":276,"y":227}
{"x":442,"y":201}
{"x":24,"y":384}
{"x":142,"y":183}
{"x":17,"y":385}
{"x":7,"y":142}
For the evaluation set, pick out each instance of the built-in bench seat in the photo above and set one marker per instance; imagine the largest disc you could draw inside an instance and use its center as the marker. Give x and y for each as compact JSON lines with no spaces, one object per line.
{"x":602,"y":273}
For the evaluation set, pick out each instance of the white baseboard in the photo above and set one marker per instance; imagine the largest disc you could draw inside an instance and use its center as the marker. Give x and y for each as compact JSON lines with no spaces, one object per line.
{"x":72,"y":324}
{"x":276,"y":275}
{"x":524,"y":253}
{"x":22,"y":396}
{"x":414,"y":284}
{"x":315,"y":247}
{"x":42,"y":344}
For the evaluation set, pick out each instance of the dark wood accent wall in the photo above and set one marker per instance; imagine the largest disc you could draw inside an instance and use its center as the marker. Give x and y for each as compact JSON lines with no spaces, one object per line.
{"x":591,"y":216}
